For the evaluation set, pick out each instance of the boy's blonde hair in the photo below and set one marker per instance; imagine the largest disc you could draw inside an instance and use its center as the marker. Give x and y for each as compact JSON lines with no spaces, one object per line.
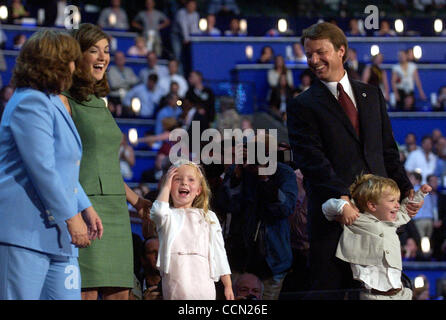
{"x":203,"y":199}
{"x":369,"y":187}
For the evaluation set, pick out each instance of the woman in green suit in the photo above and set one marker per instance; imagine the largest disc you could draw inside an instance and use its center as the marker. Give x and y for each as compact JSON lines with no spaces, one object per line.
{"x":106,"y":266}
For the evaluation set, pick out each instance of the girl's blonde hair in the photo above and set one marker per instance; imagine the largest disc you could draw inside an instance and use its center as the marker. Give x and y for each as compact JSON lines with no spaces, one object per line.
{"x":369,"y":187}
{"x":203,"y":199}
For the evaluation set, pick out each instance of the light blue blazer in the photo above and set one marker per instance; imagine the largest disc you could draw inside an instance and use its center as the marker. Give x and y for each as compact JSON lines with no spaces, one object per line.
{"x":40,"y":153}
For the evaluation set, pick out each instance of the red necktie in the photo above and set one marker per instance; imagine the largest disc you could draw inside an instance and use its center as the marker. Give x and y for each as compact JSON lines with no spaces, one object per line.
{"x":349,"y":108}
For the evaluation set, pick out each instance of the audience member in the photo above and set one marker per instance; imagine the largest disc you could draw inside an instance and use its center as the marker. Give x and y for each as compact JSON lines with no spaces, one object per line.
{"x":121,"y":79}
{"x":410,"y":144}
{"x":211,"y":30}
{"x":5,"y":94}
{"x":440,"y":105}
{"x":248,"y":286}
{"x":279,"y":97}
{"x":148,"y":94}
{"x":152,"y":278}
{"x":384,"y":30}
{"x":422,"y":159}
{"x":139,"y":49}
{"x":353,"y":67}
{"x":150,"y":22}
{"x":228,"y":117}
{"x":404,"y":78}
{"x":173,"y":75}
{"x":355,"y":29}
{"x":223,"y":7}
{"x":18,"y":41}
{"x":266,"y":55}
{"x":126,"y":158}
{"x":154,"y":174}
{"x":234,"y":28}
{"x":170,"y":110}
{"x":153,"y":67}
{"x":436,"y":135}
{"x":258,"y":238}
{"x":278,"y":69}
{"x":113,"y":17}
{"x":185,"y":25}
{"x":201,"y":96}
{"x":306,"y":79}
{"x":297,"y":54}
{"x":17,"y":11}
{"x":373,"y":74}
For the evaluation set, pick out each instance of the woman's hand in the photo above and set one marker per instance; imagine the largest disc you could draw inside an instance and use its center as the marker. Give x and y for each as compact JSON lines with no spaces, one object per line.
{"x":229,"y":294}
{"x":78,"y":231}
{"x":143,"y":207}
{"x":93,"y":222}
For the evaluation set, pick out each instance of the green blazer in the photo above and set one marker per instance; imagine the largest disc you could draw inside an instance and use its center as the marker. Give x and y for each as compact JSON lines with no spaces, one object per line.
{"x":100,"y":172}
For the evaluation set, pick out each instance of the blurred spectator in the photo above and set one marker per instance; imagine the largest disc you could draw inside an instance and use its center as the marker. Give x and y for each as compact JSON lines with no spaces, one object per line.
{"x":439,"y":145}
{"x":298,"y":278}
{"x":126,"y":158}
{"x":408,"y":104}
{"x":170,"y":110}
{"x":234,"y":28}
{"x":440,"y":167}
{"x":305,"y":80}
{"x":120,"y":79}
{"x":258,"y":238}
{"x":248,"y":286}
{"x":228,"y":117}
{"x":422,"y":159}
{"x":150,"y":22}
{"x":373,"y":74}
{"x":185,"y":25}
{"x":404,"y":78}
{"x":135,"y":293}
{"x":436,"y":134}
{"x":152,"y":287}
{"x":278,"y":69}
{"x":153,"y":67}
{"x":113,"y":17}
{"x":191,"y":113}
{"x":223,"y":7}
{"x":410,"y":55}
{"x":355,"y":29}
{"x":353,"y":67}
{"x":279,"y":97}
{"x":427,"y":217}
{"x":441,"y":100}
{"x":211,"y":30}
{"x":154,"y":174}
{"x":148,"y":94}
{"x":16,"y":11}
{"x":5,"y":94}
{"x":421,"y":291}
{"x":173,"y":75}
{"x":410,"y":144}
{"x":266,"y":55}
{"x":18,"y":41}
{"x":297,"y":53}
{"x":139,"y":49}
{"x":385,"y":30}
{"x":201,"y":96}
{"x":174,"y":88}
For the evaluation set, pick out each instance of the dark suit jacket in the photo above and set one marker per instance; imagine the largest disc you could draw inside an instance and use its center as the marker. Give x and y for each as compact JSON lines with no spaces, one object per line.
{"x":330,"y":154}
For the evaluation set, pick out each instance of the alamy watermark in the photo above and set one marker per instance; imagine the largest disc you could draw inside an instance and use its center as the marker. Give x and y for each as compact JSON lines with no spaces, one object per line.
{"x":239,"y":147}
{"x":372,"y":20}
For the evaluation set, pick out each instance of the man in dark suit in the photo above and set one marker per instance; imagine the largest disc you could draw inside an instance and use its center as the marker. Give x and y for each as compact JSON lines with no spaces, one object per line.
{"x":338,"y":129}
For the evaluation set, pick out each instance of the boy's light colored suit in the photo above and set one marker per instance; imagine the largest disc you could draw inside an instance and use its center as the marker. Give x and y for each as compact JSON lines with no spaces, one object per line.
{"x":40,"y":153}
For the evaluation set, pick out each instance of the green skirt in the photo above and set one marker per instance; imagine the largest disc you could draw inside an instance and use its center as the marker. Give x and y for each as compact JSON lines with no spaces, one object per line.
{"x":109,"y":262}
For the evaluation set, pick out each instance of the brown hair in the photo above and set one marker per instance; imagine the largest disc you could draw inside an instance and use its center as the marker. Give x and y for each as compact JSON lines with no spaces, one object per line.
{"x":83,"y":82}
{"x":326,"y":30}
{"x":43,"y":62}
{"x":369,"y":187}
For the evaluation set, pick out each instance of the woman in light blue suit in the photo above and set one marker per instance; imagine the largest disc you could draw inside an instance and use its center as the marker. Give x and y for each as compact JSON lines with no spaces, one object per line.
{"x":44,"y":212}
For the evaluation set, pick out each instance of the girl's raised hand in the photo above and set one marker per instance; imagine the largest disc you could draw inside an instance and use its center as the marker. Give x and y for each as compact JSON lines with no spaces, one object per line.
{"x":169,"y":176}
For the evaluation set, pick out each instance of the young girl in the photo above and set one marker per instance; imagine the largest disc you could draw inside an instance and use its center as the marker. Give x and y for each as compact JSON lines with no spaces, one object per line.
{"x":191,"y":254}
{"x":370,"y":243}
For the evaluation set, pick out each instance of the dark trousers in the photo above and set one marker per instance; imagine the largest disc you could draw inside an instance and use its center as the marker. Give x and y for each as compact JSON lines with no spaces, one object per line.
{"x":330,"y":277}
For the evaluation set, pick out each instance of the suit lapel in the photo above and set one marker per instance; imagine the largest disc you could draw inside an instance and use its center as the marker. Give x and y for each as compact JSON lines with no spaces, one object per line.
{"x":326,"y":98}
{"x":60,"y":106}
